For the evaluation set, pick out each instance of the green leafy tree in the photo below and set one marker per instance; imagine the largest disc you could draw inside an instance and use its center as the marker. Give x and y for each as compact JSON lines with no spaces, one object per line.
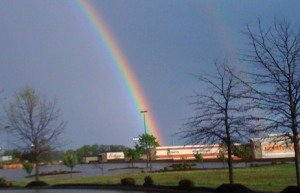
{"x":15,"y":153}
{"x":199,"y":158}
{"x":87,"y":151}
{"x":242,"y":151}
{"x":117,"y":148}
{"x":146,"y":143}
{"x":70,"y":160}
{"x":95,"y":150}
{"x":221,"y":156}
{"x":28,"y":167}
{"x":133,"y":154}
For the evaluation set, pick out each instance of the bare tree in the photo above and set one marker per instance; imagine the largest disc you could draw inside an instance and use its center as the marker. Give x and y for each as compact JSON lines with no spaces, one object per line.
{"x":275,"y":83}
{"x":219,"y":114}
{"x":36,"y":123}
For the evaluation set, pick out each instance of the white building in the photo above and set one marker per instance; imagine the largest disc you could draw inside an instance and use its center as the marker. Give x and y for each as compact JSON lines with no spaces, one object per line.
{"x":187,"y":152}
{"x":273,"y":146}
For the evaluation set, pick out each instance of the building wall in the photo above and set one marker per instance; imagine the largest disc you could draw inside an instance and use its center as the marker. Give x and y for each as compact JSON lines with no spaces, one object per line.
{"x":112,"y":156}
{"x":89,"y":159}
{"x":273,"y":147}
{"x":187,"y":152}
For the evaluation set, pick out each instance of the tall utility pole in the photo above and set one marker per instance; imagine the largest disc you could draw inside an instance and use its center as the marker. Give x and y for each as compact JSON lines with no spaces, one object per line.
{"x":144,"y":114}
{"x":147,"y":148}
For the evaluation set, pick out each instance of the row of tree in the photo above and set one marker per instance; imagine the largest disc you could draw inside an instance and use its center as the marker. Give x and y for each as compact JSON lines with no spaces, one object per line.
{"x":96,"y":150}
{"x":262,"y":100}
{"x":53,"y":155}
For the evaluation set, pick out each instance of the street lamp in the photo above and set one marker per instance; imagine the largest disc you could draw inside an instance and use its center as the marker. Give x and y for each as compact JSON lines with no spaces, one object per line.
{"x":144,"y":114}
{"x":7,"y":136}
{"x":147,"y":150}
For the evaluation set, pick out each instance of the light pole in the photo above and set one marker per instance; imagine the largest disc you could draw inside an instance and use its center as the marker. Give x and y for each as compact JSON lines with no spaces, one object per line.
{"x":7,"y":135}
{"x":144,"y":114}
{"x":147,"y":150}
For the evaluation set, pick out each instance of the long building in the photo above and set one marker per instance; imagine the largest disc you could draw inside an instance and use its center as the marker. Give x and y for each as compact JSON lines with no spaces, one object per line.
{"x":187,"y":152}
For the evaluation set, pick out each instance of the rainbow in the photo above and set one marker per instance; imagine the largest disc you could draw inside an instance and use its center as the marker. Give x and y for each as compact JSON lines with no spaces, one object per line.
{"x":95,"y":19}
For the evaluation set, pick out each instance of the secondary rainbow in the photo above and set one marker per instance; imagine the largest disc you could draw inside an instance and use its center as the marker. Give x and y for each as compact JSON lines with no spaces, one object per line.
{"x":121,"y":62}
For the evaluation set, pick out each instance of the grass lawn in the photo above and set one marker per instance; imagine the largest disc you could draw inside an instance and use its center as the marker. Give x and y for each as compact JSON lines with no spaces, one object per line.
{"x":264,"y":178}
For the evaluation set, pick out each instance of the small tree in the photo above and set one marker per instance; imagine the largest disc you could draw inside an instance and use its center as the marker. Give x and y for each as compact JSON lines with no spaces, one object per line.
{"x":28,"y":167}
{"x":242,"y":151}
{"x":70,"y":160}
{"x":133,"y":154}
{"x":36,"y":123}
{"x":221,"y":156}
{"x":145,"y":144}
{"x":199,"y":158}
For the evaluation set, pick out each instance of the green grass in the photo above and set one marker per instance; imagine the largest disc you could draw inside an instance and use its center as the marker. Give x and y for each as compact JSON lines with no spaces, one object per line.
{"x":264,"y":178}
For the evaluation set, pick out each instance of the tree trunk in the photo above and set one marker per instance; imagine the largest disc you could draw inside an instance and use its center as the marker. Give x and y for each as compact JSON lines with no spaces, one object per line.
{"x":148,"y":157}
{"x":229,"y":162}
{"x":37,"y":170}
{"x":229,"y":144}
{"x":294,"y":127}
{"x":37,"y":164}
{"x":297,"y":156}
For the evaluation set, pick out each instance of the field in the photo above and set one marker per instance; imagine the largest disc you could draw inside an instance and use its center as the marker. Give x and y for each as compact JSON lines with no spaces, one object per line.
{"x":272,"y":178}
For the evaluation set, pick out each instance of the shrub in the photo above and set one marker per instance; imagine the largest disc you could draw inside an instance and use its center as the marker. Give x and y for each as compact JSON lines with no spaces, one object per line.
{"x":168,"y":168}
{"x":186,"y":166}
{"x":186,"y":184}
{"x":291,"y":189}
{"x":28,"y":167}
{"x":233,"y":188}
{"x":198,"y":156}
{"x":148,"y":181}
{"x":37,"y":184}
{"x":128,"y":182}
{"x":4,"y":183}
{"x":181,"y":166}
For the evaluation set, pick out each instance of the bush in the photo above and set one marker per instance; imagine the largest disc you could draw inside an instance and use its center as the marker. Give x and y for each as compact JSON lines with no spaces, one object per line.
{"x":148,"y":181}
{"x":128,"y":182}
{"x":186,"y":184}
{"x":291,"y":189}
{"x":181,"y":166}
{"x":37,"y":184}
{"x":233,"y":188}
{"x":4,"y":183}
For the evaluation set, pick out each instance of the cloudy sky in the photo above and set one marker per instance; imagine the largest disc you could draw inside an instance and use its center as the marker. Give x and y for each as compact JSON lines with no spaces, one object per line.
{"x":50,"y":46}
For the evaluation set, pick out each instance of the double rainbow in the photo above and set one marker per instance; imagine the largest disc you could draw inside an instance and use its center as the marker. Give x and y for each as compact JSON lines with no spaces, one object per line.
{"x":95,"y":19}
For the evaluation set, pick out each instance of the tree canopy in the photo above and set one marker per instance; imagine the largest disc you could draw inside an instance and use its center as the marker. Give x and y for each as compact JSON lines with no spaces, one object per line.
{"x":275,"y":83}
{"x":220,"y":113}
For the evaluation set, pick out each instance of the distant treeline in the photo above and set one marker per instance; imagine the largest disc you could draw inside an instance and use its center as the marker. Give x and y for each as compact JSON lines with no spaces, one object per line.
{"x":56,"y":155}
